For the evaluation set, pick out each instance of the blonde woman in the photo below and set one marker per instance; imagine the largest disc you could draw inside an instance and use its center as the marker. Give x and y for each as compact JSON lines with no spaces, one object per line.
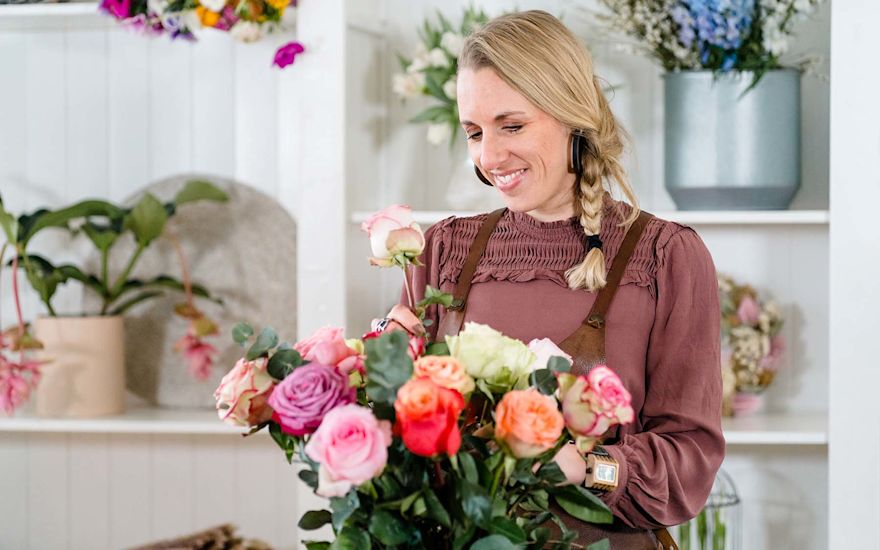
{"x":565,"y":261}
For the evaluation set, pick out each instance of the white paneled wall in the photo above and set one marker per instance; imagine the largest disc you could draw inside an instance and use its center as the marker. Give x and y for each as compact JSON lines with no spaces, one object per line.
{"x":112,"y":491}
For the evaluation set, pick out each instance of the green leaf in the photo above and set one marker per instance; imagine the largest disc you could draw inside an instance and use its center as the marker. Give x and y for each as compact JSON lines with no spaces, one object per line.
{"x":343,"y":507}
{"x":435,"y":86}
{"x":388,"y":528}
{"x":475,"y":502}
{"x":468,"y":467}
{"x":388,"y":366}
{"x":135,"y":300}
{"x":283,"y":362}
{"x":198,"y":190}
{"x":508,"y":528}
{"x":166,"y":281}
{"x":314,"y":519}
{"x":316,"y":545}
{"x":286,"y":441}
{"x":559,"y":364}
{"x":551,"y":473}
{"x":42,"y":219}
{"x":438,"y":113}
{"x":437,"y":348}
{"x":604,"y":544}
{"x":463,"y":537}
{"x":102,"y":236}
{"x":147,"y":219}
{"x":267,"y":340}
{"x":351,"y":538}
{"x":493,"y":542}
{"x":241,"y":332}
{"x":544,"y":380}
{"x":583,"y":505}
{"x":436,"y":509}
{"x":539,"y":536}
{"x":8,"y":224}
{"x":309,"y":477}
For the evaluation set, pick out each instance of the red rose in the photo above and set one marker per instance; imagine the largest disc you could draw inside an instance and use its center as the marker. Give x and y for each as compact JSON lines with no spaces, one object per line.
{"x":427,"y":417}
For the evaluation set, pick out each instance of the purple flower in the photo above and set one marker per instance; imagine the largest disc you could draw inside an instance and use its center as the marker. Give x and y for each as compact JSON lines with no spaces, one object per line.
{"x":286,"y":54}
{"x":301,"y":400}
{"x":120,"y":9}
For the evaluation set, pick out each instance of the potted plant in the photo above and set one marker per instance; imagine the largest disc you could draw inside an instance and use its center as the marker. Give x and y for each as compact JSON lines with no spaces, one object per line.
{"x":732,"y":107}
{"x":83,"y":355}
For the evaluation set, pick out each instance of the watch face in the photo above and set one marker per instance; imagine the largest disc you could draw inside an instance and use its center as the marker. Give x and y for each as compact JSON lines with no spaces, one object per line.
{"x":606,"y":473}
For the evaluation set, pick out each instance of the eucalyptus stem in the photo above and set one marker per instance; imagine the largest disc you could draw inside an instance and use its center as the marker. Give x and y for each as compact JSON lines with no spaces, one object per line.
{"x":117,"y":286}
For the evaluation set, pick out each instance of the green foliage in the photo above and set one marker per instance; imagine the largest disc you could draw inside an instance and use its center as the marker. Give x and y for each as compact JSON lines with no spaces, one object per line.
{"x":582,"y":504}
{"x":267,"y":340}
{"x":314,"y":519}
{"x":283,"y":362}
{"x":544,"y":380}
{"x":388,"y":366}
{"x":241,"y":333}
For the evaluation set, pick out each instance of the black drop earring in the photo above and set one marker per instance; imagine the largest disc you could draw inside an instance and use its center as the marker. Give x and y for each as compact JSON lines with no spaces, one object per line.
{"x":481,"y":176}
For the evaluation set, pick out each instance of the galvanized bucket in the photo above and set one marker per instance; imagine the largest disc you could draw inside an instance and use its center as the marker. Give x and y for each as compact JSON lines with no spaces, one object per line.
{"x":729,"y":151}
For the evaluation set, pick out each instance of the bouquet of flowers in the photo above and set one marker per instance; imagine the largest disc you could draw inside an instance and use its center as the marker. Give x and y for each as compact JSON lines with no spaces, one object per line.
{"x":427,"y":445}
{"x":719,"y":35}
{"x":750,"y":340}
{"x":245,"y":20}
{"x":431,"y":71}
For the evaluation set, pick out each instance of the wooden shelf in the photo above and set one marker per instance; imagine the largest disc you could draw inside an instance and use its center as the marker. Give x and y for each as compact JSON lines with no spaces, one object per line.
{"x":49,"y":9}
{"x":694,"y":217}
{"x":771,"y":429}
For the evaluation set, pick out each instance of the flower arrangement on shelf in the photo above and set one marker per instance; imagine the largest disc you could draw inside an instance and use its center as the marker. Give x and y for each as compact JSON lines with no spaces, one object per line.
{"x":103,"y":224}
{"x":431,"y":72}
{"x":752,"y":345}
{"x":718,"y":35}
{"x":427,"y":444}
{"x":246,"y":20}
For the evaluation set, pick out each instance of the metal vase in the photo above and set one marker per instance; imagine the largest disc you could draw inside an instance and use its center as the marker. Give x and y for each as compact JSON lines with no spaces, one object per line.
{"x":730,"y":150}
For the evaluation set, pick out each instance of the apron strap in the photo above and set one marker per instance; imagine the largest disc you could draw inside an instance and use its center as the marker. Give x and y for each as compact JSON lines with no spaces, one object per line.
{"x":452,"y":322}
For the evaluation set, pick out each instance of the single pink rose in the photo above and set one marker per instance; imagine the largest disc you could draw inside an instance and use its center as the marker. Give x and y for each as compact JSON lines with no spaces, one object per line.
{"x":327,"y":346}
{"x":351,"y":446}
{"x":199,"y":355}
{"x":395,"y":238}
{"x":593,"y":404}
{"x":241,"y":395}
{"x":613,"y":397}
{"x":749,"y":312}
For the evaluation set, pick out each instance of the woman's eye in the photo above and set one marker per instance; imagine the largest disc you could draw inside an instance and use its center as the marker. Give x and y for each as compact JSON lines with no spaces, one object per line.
{"x":475,"y":135}
{"x":513,"y":129}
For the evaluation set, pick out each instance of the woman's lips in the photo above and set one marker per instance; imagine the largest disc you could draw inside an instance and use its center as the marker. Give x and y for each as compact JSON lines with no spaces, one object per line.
{"x":508,"y":183}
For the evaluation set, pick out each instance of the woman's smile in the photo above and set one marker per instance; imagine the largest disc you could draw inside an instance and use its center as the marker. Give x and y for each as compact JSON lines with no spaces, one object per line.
{"x":506,"y":182}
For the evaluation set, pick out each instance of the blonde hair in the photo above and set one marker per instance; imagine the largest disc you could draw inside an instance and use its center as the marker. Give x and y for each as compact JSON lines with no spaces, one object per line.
{"x":534,"y":53}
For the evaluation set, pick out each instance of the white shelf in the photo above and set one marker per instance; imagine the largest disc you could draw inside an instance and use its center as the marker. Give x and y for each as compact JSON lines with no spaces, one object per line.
{"x":689,"y":217}
{"x":789,"y":429}
{"x":48,"y":9}
{"x":777,"y":429}
{"x":134,"y":421}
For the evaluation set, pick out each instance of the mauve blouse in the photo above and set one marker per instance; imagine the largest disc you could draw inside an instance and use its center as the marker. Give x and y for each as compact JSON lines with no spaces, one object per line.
{"x":662,"y":338}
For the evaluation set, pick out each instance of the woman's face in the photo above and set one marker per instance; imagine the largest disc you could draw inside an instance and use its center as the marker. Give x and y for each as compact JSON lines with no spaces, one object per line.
{"x":521,"y":149}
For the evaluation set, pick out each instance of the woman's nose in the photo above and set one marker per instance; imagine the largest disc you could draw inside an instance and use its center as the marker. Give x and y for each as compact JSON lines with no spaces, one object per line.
{"x":492,"y":153}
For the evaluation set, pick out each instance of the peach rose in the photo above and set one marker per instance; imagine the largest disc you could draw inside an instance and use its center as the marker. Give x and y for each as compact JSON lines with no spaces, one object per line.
{"x":527,"y":422}
{"x":242,"y":394}
{"x":444,"y":371}
{"x":394,"y":237}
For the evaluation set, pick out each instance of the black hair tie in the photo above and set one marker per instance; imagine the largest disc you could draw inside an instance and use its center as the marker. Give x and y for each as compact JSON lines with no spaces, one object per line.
{"x":593,"y":241}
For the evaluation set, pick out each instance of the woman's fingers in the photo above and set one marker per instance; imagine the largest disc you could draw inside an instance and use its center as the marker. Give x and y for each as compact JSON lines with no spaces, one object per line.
{"x":403,"y":318}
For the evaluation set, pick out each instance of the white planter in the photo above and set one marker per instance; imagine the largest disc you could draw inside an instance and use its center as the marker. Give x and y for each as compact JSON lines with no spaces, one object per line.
{"x":84,"y":375}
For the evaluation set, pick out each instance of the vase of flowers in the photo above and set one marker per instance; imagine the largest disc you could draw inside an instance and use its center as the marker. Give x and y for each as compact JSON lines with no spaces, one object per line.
{"x":732,"y":107}
{"x":427,"y":444}
{"x":751,"y":343}
{"x":75,"y":362}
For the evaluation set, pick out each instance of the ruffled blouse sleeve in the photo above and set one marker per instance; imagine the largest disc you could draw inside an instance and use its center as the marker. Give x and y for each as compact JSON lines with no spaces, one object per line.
{"x":668,"y":469}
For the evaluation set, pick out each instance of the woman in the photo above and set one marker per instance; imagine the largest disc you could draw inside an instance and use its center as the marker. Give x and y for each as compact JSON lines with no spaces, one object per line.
{"x":540,"y":131}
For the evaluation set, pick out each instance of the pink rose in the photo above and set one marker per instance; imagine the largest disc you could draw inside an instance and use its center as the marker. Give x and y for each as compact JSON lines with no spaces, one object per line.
{"x":241,"y":395}
{"x":394,"y":238}
{"x":592,"y":404}
{"x":544,"y":349}
{"x":748,"y":312}
{"x":327,"y":346}
{"x":306,"y":395}
{"x":351,"y":447}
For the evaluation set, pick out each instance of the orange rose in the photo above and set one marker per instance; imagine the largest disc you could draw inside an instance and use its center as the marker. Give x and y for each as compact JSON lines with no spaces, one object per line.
{"x":444,"y":371}
{"x":427,"y":417}
{"x":528,"y":422}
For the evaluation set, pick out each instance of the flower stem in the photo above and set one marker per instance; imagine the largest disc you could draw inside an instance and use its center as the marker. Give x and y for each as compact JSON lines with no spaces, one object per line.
{"x":184,"y":269}
{"x":407,"y":283}
{"x":120,"y":281}
{"x":497,"y":479}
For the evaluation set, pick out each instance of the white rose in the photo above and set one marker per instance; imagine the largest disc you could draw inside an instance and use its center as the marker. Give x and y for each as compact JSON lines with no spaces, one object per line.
{"x":438,"y":133}
{"x":438,"y":58}
{"x":544,"y":349}
{"x":488,"y":354}
{"x":246,"y":31}
{"x":408,"y":85}
{"x":213,"y":5}
{"x":449,"y":88}
{"x":394,"y":234}
{"x":242,"y":394}
{"x":452,"y":43}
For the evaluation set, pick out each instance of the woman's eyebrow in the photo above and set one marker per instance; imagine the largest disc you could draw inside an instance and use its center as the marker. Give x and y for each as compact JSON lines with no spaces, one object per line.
{"x":499,"y":116}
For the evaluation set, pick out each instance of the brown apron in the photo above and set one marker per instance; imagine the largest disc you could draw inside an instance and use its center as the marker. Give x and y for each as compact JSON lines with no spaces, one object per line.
{"x":586,"y":345}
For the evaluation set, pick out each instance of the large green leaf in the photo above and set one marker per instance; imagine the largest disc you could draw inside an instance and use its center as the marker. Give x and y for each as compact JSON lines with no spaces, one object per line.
{"x":166,"y":281}
{"x":388,"y":528}
{"x":33,"y":224}
{"x":147,"y":219}
{"x":508,"y":528}
{"x":583,"y":505}
{"x":475,"y":502}
{"x":436,"y":509}
{"x":199,"y":190}
{"x":603,"y":544}
{"x":351,"y":538}
{"x":388,"y":366}
{"x":493,"y":542}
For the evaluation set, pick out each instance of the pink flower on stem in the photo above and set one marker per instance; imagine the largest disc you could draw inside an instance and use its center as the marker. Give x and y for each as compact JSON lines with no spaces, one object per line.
{"x":287,"y":53}
{"x":593,"y":404}
{"x":198,"y":354}
{"x":748,"y":312}
{"x":17,"y":380}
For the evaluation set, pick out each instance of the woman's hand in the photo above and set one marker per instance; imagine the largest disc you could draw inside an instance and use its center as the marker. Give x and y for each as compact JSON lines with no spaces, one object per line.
{"x":403,"y":318}
{"x":572,"y":464}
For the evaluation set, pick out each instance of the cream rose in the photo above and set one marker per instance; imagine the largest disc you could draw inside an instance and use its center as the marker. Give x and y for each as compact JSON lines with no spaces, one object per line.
{"x":394,"y":237}
{"x":243,"y":392}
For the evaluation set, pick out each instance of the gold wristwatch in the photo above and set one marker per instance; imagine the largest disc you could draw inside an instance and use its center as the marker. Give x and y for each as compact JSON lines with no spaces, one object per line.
{"x":602,"y":471}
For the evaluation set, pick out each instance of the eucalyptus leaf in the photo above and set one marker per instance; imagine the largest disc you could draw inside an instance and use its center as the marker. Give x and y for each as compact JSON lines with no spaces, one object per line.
{"x":199,"y":190}
{"x":343,"y":507}
{"x":283,"y":362}
{"x":266,"y":340}
{"x":388,"y":366}
{"x":544,"y":380}
{"x":286,"y":441}
{"x":559,"y":364}
{"x":147,"y":219}
{"x":241,"y":332}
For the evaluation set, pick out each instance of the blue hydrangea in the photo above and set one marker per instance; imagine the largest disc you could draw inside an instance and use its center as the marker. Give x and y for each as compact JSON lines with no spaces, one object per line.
{"x":722,"y":24}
